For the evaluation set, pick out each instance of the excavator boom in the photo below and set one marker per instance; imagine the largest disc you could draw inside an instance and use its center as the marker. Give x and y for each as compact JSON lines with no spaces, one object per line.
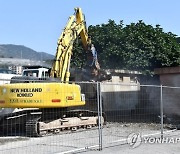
{"x":75,"y":27}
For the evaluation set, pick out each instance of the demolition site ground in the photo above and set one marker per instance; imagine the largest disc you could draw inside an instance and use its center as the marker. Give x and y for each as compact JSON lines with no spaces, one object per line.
{"x":114,"y":140}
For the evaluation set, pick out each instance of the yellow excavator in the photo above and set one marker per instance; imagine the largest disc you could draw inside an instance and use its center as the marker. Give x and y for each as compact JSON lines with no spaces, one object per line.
{"x":44,"y":105}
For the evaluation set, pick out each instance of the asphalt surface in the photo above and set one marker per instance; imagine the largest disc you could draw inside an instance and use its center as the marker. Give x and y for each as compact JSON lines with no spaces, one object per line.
{"x":114,"y":140}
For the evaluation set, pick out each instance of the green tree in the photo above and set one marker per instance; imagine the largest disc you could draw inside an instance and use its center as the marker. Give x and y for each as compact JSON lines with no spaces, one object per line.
{"x":78,"y":58}
{"x":137,"y":46}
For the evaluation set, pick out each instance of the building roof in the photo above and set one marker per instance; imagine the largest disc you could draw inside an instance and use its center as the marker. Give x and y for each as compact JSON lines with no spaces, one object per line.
{"x":167,"y":70}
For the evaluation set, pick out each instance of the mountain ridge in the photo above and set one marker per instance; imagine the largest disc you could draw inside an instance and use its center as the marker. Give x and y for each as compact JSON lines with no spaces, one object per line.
{"x":22,"y":52}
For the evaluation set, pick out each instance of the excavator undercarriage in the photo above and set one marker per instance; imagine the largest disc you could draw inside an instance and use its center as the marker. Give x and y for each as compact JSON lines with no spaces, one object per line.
{"x":42,"y":122}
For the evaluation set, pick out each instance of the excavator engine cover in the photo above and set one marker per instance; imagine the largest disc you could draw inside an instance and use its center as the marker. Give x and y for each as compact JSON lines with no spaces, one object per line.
{"x":38,"y":95}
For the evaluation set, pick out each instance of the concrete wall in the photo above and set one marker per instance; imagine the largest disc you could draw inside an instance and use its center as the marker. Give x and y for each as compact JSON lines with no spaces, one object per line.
{"x":171,"y":96}
{"x":170,"y":79}
{"x":119,"y":94}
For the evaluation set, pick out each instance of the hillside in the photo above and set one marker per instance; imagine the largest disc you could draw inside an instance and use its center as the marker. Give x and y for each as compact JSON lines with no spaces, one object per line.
{"x":22,"y":52}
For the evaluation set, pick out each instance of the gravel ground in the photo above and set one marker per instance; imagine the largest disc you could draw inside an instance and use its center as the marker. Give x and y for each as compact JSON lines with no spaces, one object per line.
{"x":114,"y":141}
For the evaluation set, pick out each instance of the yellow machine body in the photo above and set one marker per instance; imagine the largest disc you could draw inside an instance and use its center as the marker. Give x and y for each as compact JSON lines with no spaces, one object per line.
{"x":38,"y":95}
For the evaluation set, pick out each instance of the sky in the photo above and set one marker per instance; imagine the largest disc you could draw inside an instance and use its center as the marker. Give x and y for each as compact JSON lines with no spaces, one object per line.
{"x":38,"y":24}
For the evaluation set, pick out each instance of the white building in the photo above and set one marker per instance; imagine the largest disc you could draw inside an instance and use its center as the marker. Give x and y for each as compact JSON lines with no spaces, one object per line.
{"x":16,"y":69}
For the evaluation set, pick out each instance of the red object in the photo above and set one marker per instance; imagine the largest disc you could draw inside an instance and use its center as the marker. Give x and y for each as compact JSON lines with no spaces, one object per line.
{"x":2,"y":101}
{"x":56,"y":100}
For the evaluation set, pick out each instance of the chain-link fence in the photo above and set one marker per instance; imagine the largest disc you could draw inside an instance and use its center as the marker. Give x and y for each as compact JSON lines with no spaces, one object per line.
{"x":118,"y":110}
{"x":134,"y":111}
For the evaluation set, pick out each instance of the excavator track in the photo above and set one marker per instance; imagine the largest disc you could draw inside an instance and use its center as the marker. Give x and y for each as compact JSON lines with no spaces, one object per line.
{"x":37,"y":123}
{"x":72,"y":121}
{"x":32,"y":128}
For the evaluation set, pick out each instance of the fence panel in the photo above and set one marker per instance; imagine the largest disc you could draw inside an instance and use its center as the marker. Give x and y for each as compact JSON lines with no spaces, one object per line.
{"x":72,"y":138}
{"x":171,"y":106}
{"x":130,"y":109}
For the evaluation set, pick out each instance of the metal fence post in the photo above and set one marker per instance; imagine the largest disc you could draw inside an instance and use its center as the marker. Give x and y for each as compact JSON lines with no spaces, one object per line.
{"x":99,"y":100}
{"x":101,"y":114}
{"x":161,"y":109}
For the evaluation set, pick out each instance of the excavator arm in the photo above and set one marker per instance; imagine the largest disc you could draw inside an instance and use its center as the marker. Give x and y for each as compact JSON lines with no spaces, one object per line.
{"x":75,"y":27}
